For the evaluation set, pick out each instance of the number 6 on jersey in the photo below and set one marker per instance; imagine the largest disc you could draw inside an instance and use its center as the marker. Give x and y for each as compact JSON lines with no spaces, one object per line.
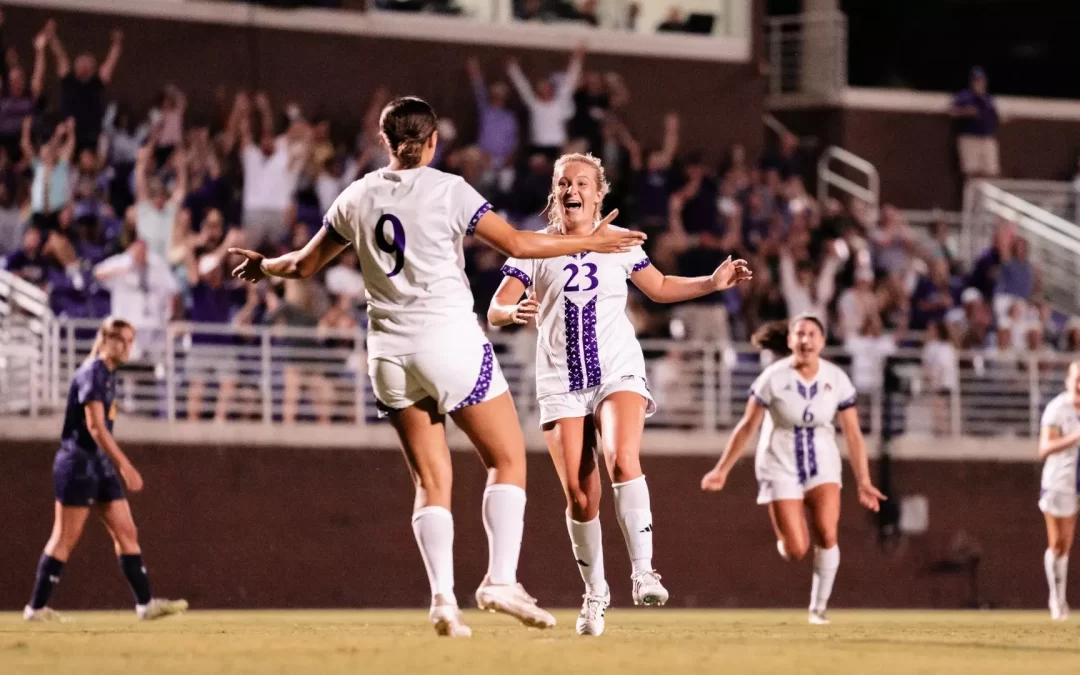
{"x":395,"y":245}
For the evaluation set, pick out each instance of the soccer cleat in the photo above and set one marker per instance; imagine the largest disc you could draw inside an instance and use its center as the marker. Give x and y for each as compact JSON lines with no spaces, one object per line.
{"x":511,"y":599}
{"x":647,"y":589}
{"x":448,"y":621}
{"x":1059,"y":612}
{"x":818,"y":618}
{"x":591,"y":619}
{"x":43,"y":614}
{"x":159,"y":608}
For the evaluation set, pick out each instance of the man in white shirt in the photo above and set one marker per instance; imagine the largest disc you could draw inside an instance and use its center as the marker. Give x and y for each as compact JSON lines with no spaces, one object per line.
{"x":271,"y":170}
{"x":550,"y":105}
{"x":143,"y":290}
{"x":155,"y":208}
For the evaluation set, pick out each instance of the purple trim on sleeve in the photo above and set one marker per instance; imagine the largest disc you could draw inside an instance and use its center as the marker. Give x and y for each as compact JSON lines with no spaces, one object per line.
{"x":334,"y":235}
{"x":848,"y":403}
{"x":510,"y":271}
{"x":476,"y":218}
{"x":757,"y":398}
{"x":640,"y":265}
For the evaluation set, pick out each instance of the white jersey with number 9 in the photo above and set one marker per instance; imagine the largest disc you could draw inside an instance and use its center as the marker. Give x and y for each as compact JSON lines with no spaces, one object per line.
{"x":408,"y":228}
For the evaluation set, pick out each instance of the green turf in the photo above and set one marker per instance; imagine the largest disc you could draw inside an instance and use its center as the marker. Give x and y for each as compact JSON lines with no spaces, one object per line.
{"x":637,"y":641}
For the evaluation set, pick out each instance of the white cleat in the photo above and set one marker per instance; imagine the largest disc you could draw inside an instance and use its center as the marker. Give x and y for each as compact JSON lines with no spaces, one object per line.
{"x":1059,"y":612}
{"x":448,"y":621}
{"x":512,"y":600}
{"x":591,"y":619}
{"x":44,"y":614}
{"x":818,"y":618}
{"x":648,"y":590}
{"x":159,"y":608}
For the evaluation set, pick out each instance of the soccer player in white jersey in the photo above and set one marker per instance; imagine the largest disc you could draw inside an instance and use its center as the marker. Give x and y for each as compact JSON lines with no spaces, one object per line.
{"x":1059,"y":441}
{"x":428,"y":356}
{"x":798,"y":460}
{"x":590,"y":375}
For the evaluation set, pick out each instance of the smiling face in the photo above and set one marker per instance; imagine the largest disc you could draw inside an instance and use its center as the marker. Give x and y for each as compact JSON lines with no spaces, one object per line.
{"x":577,"y":191}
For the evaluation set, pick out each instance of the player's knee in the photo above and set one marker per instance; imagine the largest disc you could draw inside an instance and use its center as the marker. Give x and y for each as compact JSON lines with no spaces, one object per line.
{"x":1061,"y":546}
{"x":796,"y":549}
{"x":126,"y":535}
{"x":828,"y":538}
{"x":581,"y":505}
{"x":625,"y":465}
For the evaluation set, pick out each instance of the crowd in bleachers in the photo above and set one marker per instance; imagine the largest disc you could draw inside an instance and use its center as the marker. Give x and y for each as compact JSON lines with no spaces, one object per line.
{"x":116,"y":210}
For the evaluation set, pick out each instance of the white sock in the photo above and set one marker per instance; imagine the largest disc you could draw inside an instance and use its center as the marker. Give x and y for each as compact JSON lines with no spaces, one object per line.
{"x":1050,"y":567}
{"x":635,"y":518}
{"x":782,"y":550}
{"x":434,"y":530}
{"x":1061,"y":572}
{"x":504,"y":520}
{"x":588,"y":546}
{"x":826,"y":562}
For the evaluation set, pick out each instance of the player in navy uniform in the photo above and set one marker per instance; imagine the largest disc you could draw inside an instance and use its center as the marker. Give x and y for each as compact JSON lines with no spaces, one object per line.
{"x":88,"y":472}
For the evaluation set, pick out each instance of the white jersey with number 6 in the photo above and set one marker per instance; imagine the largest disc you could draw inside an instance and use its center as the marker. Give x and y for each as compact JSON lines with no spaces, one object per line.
{"x":586,"y":339}
{"x":798,"y":436}
{"x":408,"y":227}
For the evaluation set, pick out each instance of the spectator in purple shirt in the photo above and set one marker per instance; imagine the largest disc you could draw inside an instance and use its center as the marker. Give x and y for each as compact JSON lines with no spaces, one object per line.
{"x":977,"y":124}
{"x":29,"y":262}
{"x":933,"y":296}
{"x":498,"y":132}
{"x":212,"y":356}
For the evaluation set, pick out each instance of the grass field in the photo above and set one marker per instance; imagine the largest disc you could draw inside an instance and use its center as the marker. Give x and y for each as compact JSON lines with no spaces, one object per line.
{"x":637,"y":641}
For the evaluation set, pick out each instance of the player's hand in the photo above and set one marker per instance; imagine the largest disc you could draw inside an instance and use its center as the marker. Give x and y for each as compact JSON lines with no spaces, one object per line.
{"x":731,"y":273}
{"x":715,"y":480}
{"x":132,"y":478}
{"x":870,"y":496}
{"x":525,"y":311}
{"x":607,"y":240}
{"x":251,"y":269}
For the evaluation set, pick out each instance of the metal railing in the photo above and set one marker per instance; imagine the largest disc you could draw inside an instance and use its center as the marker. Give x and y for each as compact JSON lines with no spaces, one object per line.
{"x":807,"y":56}
{"x":1053,"y":242}
{"x":1060,"y":198}
{"x":276,"y":375}
{"x":849,"y":163}
{"x":27,"y":346}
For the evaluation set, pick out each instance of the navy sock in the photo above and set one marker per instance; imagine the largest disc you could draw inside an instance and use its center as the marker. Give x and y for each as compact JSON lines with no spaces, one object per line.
{"x":48,"y":575}
{"x":135,"y":571}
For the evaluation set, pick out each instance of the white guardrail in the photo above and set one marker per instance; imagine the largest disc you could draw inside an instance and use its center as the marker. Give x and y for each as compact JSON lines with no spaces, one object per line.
{"x":275,"y":376}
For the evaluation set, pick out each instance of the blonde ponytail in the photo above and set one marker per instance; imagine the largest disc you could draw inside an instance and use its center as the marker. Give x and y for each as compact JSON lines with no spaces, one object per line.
{"x":109,"y":327}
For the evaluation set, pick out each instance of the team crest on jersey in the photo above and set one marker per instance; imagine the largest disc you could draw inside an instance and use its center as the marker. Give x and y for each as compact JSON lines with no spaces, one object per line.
{"x":828,"y":387}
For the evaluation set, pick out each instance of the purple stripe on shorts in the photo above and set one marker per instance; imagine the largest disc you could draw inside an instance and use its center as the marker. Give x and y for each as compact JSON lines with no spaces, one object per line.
{"x":573,"y":345}
{"x":483,"y":381}
{"x":510,"y":271}
{"x":641,"y":264}
{"x":589,"y":343}
{"x":476,"y":219}
{"x":811,"y":452}
{"x":800,"y":453}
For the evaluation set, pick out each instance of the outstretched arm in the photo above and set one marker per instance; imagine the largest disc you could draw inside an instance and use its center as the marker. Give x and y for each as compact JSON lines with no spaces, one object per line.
{"x":108,"y":67}
{"x":520,"y":82}
{"x":41,"y":42}
{"x":715,"y":480}
{"x":660,"y":287}
{"x":501,"y":235}
{"x":301,"y":264}
{"x":63,"y":63}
